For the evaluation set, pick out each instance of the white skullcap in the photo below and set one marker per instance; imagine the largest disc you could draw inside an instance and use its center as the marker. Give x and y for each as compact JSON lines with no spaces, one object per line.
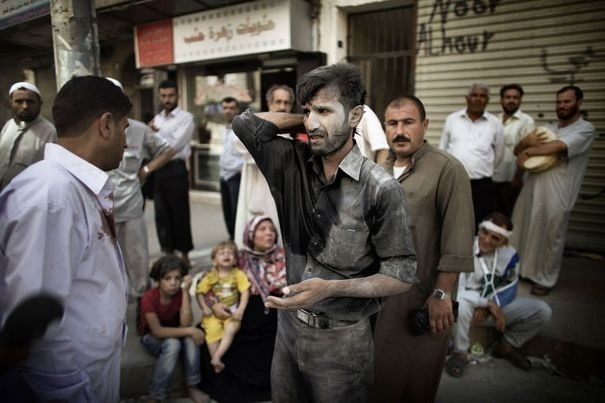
{"x":23,"y":84}
{"x":115,"y":82}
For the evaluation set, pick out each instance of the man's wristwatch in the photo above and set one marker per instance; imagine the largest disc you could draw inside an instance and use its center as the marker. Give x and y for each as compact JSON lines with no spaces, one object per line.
{"x":440,"y":294}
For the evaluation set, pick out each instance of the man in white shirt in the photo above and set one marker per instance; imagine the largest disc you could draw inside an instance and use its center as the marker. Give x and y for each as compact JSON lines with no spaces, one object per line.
{"x":57,"y":238}
{"x":171,"y":182}
{"x":507,"y":178}
{"x":370,"y":137}
{"x":231,"y":162}
{"x":476,"y":138}
{"x":23,"y":137}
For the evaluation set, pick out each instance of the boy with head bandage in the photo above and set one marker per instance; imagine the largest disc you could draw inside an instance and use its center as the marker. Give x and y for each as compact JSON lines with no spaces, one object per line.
{"x":487,"y":297}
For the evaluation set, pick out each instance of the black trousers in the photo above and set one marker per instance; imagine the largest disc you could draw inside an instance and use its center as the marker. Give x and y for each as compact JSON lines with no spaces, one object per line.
{"x":505,"y":196}
{"x":229,"y":195}
{"x":171,"y":200}
{"x":483,"y":198}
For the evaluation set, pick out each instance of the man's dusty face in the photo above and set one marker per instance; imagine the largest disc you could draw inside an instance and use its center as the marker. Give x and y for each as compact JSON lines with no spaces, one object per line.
{"x":169,"y":98}
{"x":567,"y":105}
{"x":326,"y":122}
{"x":404,"y":129}
{"x":229,"y":111}
{"x":511,"y":101}
{"x":477,"y":100}
{"x":281,"y":102}
{"x":25,"y":105}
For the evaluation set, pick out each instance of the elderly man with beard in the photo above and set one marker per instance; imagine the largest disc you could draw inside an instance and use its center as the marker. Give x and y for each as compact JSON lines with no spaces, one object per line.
{"x":542,"y":211}
{"x":345,"y":229}
{"x":23,"y":137}
{"x":439,"y":198}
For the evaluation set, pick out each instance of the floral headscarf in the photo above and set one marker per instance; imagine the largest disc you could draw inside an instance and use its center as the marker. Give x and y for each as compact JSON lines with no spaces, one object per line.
{"x":266,"y":270}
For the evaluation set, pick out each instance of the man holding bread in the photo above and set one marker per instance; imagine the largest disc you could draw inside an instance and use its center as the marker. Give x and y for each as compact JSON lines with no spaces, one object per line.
{"x":542,"y":211}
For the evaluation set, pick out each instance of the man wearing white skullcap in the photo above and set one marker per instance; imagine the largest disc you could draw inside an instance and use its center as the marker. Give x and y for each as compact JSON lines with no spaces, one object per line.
{"x":23,"y":137}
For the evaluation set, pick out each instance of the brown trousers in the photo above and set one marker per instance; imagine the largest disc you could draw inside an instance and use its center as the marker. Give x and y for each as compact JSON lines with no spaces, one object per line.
{"x":408,"y":368}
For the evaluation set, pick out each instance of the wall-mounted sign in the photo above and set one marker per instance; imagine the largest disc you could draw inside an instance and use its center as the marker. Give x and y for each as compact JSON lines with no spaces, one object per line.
{"x":256,"y":27}
{"x":13,"y":12}
{"x":153,"y":44}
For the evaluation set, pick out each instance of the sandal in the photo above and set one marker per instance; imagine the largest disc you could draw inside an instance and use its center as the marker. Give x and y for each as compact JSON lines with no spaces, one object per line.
{"x":455,"y":365}
{"x":504,"y":350}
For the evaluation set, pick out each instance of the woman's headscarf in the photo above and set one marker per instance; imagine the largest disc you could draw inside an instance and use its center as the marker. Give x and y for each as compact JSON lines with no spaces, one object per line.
{"x":267,"y":269}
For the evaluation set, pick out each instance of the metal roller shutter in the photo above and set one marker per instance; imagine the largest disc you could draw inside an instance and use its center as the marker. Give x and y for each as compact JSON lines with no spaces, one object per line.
{"x":540,"y":44}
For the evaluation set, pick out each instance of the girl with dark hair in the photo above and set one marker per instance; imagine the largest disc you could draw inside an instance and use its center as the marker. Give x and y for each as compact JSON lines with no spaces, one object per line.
{"x":166,"y":325}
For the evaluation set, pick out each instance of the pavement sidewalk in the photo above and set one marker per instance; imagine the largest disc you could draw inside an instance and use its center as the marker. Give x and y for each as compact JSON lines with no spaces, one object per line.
{"x":574,"y":341}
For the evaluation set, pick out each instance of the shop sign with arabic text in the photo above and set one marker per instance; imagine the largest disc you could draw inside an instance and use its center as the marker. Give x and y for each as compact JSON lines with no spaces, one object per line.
{"x":260,"y":26}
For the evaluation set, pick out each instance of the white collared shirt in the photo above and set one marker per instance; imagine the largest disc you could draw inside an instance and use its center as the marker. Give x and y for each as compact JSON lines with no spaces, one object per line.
{"x":515,"y":128}
{"x":176,"y":127}
{"x":54,"y":239}
{"x":231,"y":160}
{"x":369,"y":135}
{"x":478,"y":144}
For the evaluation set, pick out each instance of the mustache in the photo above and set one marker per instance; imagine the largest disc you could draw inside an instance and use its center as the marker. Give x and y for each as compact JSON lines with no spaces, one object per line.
{"x":401,"y":137}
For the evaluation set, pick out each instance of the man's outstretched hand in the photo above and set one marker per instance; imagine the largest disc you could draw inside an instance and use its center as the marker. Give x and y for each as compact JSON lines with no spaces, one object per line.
{"x":301,"y":295}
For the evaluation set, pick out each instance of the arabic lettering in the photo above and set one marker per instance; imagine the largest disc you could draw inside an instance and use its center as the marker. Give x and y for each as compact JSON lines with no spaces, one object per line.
{"x":255,"y":28}
{"x":576,"y":64}
{"x":436,"y":40}
{"x":197,"y":36}
{"x":225,"y":32}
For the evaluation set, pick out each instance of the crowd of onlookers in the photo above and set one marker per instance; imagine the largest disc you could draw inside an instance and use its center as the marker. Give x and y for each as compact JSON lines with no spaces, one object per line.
{"x":331,"y":218}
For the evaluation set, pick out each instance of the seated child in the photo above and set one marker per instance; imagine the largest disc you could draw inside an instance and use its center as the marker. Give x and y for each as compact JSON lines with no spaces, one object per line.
{"x":228,"y":285}
{"x":491,"y":290}
{"x":166,"y":325}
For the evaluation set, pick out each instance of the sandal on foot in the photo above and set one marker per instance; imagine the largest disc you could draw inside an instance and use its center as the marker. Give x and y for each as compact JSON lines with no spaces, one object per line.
{"x":513,"y":355}
{"x":455,"y":365}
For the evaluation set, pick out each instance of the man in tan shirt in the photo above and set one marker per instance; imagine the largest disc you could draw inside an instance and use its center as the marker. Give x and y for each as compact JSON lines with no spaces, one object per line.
{"x":439,"y":199}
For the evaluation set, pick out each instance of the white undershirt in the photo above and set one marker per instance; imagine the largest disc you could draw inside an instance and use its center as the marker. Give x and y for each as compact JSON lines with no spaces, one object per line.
{"x":398,"y":171}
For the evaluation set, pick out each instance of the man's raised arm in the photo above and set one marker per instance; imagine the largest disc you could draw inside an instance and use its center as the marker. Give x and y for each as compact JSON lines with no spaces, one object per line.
{"x":285,"y":122}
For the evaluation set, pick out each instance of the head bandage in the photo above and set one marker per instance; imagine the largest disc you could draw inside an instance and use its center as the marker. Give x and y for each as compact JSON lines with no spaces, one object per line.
{"x":23,"y":84}
{"x":490,"y":226}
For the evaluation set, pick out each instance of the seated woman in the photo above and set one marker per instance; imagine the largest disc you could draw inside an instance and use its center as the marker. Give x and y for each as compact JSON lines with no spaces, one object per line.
{"x":247,"y":373}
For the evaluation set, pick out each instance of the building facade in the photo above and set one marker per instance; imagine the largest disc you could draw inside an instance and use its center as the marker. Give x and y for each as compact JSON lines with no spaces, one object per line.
{"x":434,"y":49}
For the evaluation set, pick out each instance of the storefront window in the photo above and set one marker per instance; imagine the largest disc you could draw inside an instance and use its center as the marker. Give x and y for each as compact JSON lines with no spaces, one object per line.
{"x":205,"y":97}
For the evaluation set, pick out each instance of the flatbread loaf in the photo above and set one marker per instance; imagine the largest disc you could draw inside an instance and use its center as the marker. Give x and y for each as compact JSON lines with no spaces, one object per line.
{"x":540,"y":163}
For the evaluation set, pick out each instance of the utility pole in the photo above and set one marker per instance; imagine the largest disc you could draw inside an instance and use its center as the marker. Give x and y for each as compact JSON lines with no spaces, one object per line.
{"x":75,"y":39}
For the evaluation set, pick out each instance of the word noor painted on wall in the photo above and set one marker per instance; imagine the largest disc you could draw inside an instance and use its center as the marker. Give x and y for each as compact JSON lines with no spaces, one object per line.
{"x":434,"y":38}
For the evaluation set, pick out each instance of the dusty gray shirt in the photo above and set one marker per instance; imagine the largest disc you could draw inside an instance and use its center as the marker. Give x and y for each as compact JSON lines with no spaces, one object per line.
{"x":142,"y":143}
{"x":352,"y":227}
